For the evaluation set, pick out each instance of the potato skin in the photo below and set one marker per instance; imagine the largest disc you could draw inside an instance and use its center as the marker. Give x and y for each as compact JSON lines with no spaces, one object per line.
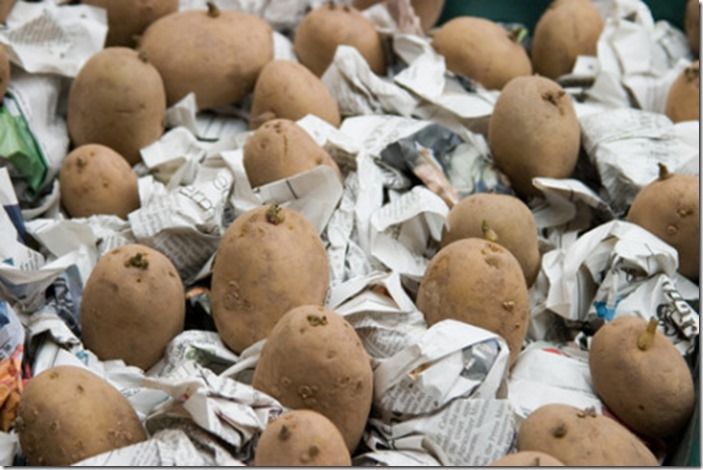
{"x":117,"y":100}
{"x":567,"y":29}
{"x":428,"y":11}
{"x":534,"y":132}
{"x":67,"y":414}
{"x":693,"y":25}
{"x":682,"y":100}
{"x":95,"y":179}
{"x":508,"y":217}
{"x":4,"y":71}
{"x":263,"y":269}
{"x":301,"y":438}
{"x":650,"y":391}
{"x":5,"y":9}
{"x":328,"y":26}
{"x":219,"y":59}
{"x":313,"y":359}
{"x":279,"y":149}
{"x":527,"y":459}
{"x":129,"y":18}
{"x":482,"y":50}
{"x":480,"y":283}
{"x":288,"y":90}
{"x":580,"y":438}
{"x":669,"y":209}
{"x":133,"y":305}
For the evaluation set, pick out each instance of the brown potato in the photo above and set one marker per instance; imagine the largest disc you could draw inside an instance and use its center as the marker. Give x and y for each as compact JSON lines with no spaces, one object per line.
{"x":508,"y":217}
{"x":428,"y":11}
{"x":693,"y":25}
{"x":669,"y":208}
{"x":567,"y":29}
{"x":216,"y":54}
{"x":641,"y":377}
{"x":95,"y":179}
{"x":480,"y":283}
{"x":534,"y":132}
{"x":5,"y":9}
{"x":288,"y":90}
{"x":482,"y":50}
{"x":270,"y":260}
{"x":67,"y":414}
{"x":133,"y":305}
{"x":527,"y":459}
{"x":127,"y":19}
{"x":684,"y":94}
{"x":279,"y":149}
{"x":330,"y":25}
{"x":581,"y":438}
{"x":117,"y":100}
{"x":301,"y":438}
{"x":313,"y":359}
{"x":4,"y":71}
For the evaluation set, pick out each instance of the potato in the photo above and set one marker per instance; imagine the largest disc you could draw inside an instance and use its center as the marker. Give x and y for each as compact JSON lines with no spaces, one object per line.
{"x":127,"y":19}
{"x":641,"y":377}
{"x":4,"y":71}
{"x":133,"y":305}
{"x":684,"y":94}
{"x":428,"y":11}
{"x":301,"y":438}
{"x":693,"y":25}
{"x":669,"y":208}
{"x":533,"y":132}
{"x":313,"y":359}
{"x":288,"y":90}
{"x":581,"y":438}
{"x":567,"y":29}
{"x":218,"y":59}
{"x":279,"y":149}
{"x":480,"y":283}
{"x":67,"y":414}
{"x":527,"y":459}
{"x":329,"y":26}
{"x":270,"y":260}
{"x":481,"y":50}
{"x":511,"y":221}
{"x":117,"y":100}
{"x":95,"y":179}
{"x":5,"y":9}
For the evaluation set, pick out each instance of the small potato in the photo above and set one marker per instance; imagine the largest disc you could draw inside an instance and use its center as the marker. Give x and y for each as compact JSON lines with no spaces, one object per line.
{"x":481,"y":50}
{"x":693,"y":25}
{"x":331,"y":25}
{"x":4,"y":71}
{"x":527,"y":459}
{"x":95,"y":179}
{"x":133,"y":305}
{"x":581,"y":438}
{"x":684,"y":94}
{"x":313,"y":359}
{"x":302,"y":438}
{"x":288,"y":90}
{"x":67,"y":414}
{"x":279,"y":149}
{"x":642,"y":377}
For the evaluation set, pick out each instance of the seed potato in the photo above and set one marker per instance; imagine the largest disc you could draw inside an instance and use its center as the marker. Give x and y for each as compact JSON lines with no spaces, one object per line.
{"x":684,"y":94}
{"x":693,"y":25}
{"x":5,"y":9}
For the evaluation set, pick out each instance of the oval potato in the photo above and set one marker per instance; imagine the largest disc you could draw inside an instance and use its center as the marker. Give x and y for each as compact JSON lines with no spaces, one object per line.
{"x":684,"y":94}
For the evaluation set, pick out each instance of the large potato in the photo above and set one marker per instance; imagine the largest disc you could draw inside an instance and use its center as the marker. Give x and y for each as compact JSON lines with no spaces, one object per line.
{"x":533,"y":132}
{"x":427,"y":10}
{"x":288,"y":90}
{"x":693,"y":25}
{"x":482,"y":50}
{"x":95,"y":179}
{"x":669,"y":208}
{"x":641,"y":377}
{"x":67,"y":414}
{"x":478,"y":282}
{"x":216,"y":54}
{"x":581,"y":438}
{"x":684,"y":95}
{"x":313,"y":359}
{"x":127,"y":19}
{"x":4,"y":71}
{"x":527,"y":459}
{"x":279,"y":149}
{"x":507,"y":216}
{"x":329,"y":26}
{"x":117,"y":100}
{"x":133,"y":305}
{"x":566,"y":30}
{"x":301,"y":438}
{"x":269,"y":261}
